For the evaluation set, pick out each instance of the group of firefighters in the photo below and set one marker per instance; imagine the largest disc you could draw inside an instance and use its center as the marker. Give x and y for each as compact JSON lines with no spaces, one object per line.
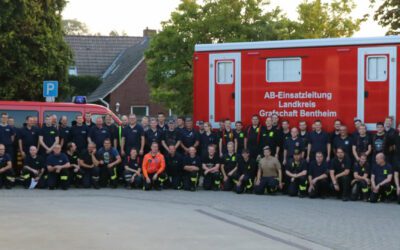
{"x":155,"y":154}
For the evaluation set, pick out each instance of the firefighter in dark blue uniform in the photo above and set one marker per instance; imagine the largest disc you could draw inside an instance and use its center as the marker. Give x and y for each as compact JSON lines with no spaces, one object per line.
{"x":98,"y":134}
{"x":7,"y":135}
{"x":229,"y":167}
{"x":240,"y":137}
{"x":171,"y":137}
{"x":28,"y":136}
{"x":381,"y":179}
{"x":318,"y":142}
{"x":253,"y":136}
{"x":109,"y":159}
{"x":318,"y":177}
{"x":89,"y":164}
{"x":57,"y":169}
{"x":189,"y":136}
{"x":132,"y":137}
{"x":296,"y":174}
{"x":211,"y":169}
{"x":339,"y":171}
{"x":7,"y":175}
{"x":133,"y":170}
{"x":64,"y":132}
{"x":361,"y":182}
{"x":34,"y":169}
{"x":270,"y":138}
{"x":75,"y":172}
{"x":246,"y":172}
{"x":191,"y":170}
{"x":48,"y":137}
{"x":79,"y":134}
{"x":291,"y":144}
{"x":344,"y":141}
{"x":153,"y":135}
{"x":174,"y":168}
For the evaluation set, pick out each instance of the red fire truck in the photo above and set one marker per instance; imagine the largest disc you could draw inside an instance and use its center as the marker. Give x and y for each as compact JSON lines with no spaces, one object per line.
{"x":326,"y":79}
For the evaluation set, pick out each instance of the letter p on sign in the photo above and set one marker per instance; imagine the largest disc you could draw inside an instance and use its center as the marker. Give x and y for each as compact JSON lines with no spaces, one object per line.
{"x":50,"y":88}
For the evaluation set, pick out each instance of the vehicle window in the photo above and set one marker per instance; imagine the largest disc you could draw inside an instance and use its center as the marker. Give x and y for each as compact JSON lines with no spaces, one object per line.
{"x":377,"y":68}
{"x":71,"y":115}
{"x":283,"y":70}
{"x":94,"y":117}
{"x":20,"y":115}
{"x":225,"y":72}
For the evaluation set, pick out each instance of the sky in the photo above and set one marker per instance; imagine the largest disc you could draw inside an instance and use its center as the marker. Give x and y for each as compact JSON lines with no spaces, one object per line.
{"x":133,"y":16}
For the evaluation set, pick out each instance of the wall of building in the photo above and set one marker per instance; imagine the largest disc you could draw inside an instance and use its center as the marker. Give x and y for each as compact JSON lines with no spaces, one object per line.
{"x":135,"y":91}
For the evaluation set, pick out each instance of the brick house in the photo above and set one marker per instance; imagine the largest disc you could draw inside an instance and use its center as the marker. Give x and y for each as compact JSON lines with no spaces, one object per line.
{"x":119,"y":63}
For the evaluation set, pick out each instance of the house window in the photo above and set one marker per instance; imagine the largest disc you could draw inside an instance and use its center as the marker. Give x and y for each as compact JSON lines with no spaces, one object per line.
{"x":140,"y":110}
{"x":283,"y":70}
{"x":225,"y":72}
{"x":377,"y":68}
{"x":72,"y":71}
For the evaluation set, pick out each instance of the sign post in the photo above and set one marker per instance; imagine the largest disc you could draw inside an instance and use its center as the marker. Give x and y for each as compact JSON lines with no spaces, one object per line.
{"x":50,"y":90}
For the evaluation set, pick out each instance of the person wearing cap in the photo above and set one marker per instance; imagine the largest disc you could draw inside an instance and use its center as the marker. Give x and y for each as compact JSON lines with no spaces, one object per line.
{"x":229,"y":167}
{"x":170,"y":137}
{"x":246,"y":173}
{"x":269,"y":175}
{"x":296,"y":172}
{"x":339,"y":171}
{"x":153,"y":169}
{"x":211,"y":169}
{"x":318,"y":177}
{"x":191,"y":169}
{"x":189,"y":136}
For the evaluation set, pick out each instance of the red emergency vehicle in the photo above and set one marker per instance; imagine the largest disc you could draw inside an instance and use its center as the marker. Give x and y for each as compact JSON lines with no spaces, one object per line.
{"x":326,"y":79}
{"x":19,"y":110}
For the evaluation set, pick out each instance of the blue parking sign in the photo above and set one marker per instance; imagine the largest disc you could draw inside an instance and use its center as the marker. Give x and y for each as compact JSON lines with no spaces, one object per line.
{"x":50,"y":88}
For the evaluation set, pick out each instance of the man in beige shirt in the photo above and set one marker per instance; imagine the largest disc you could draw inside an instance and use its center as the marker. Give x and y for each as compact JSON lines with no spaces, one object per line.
{"x":269,"y":175}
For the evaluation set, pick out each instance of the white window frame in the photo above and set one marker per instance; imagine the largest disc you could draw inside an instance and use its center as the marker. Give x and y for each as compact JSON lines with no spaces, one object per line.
{"x":232,"y":62}
{"x":72,"y":70}
{"x":141,"y":106}
{"x":387,"y":63}
{"x":284,"y":59}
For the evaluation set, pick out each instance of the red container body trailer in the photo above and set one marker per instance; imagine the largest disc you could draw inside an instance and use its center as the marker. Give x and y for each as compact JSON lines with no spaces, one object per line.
{"x":325,"y":79}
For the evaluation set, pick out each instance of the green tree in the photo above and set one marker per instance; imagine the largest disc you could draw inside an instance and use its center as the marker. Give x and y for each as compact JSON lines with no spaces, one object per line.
{"x":74,"y":27}
{"x":32,"y":48}
{"x":169,"y":57}
{"x":326,"y":20}
{"x":83,"y":85}
{"x":388,"y":15}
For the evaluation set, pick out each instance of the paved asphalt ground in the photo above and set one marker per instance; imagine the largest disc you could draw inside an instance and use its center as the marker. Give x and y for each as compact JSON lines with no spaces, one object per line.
{"x":131,"y":219}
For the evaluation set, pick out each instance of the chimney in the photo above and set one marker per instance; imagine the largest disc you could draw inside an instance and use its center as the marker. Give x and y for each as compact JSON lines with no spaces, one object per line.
{"x":149,"y":32}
